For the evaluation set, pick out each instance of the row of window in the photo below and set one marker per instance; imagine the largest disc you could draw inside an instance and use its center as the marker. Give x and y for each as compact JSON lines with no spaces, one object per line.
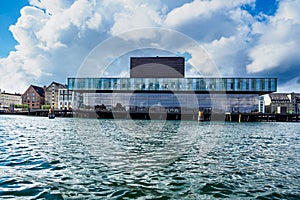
{"x":33,"y":101}
{"x":65,"y":92}
{"x":27,"y":100}
{"x":65,"y":103}
{"x":174,"y":84}
{"x":7,"y":101}
{"x":65,"y":97}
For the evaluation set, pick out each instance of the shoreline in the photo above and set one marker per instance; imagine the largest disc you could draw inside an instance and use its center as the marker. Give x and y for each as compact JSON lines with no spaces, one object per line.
{"x":229,"y":117}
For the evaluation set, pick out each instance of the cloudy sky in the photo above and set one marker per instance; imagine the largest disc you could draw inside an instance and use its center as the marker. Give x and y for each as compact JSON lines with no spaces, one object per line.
{"x":49,"y":40}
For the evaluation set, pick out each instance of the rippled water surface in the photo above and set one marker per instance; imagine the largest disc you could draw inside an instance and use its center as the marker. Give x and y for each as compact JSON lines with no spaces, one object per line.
{"x":125,"y":159}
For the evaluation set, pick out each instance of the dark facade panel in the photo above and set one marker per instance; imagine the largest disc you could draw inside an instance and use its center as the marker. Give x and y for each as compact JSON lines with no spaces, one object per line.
{"x":157,"y":67}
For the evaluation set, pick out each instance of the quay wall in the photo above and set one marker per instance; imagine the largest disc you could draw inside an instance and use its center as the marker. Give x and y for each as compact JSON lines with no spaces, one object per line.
{"x":230,"y":117}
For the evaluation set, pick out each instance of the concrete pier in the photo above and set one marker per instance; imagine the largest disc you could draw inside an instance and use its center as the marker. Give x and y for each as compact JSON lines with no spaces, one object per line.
{"x":229,"y":117}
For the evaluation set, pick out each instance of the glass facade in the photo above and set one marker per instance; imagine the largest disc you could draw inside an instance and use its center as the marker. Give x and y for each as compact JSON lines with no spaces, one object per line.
{"x":190,"y":103}
{"x":185,"y":95}
{"x":249,"y":85}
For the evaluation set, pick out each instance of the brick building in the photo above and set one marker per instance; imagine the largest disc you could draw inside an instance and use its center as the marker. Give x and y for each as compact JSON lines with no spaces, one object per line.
{"x":34,"y":97}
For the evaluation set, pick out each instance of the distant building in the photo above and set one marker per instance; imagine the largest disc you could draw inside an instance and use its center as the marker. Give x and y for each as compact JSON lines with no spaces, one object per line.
{"x":295,"y":100}
{"x":8,"y":100}
{"x":51,"y":94}
{"x":65,"y":99}
{"x":283,"y":103}
{"x":261,"y":105}
{"x":34,"y":97}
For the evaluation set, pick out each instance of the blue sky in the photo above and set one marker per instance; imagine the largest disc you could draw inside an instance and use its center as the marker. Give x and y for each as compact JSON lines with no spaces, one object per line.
{"x":49,"y":40}
{"x":9,"y":14}
{"x":267,"y":7}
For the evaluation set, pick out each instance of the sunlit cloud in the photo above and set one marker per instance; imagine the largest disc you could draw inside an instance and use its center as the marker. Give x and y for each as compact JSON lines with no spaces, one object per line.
{"x":55,"y":37}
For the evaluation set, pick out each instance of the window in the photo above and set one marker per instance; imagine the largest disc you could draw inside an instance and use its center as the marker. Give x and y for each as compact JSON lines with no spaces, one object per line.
{"x":156,"y":86}
{"x":189,"y":84}
{"x":247,"y":84}
{"x":150,"y":86}
{"x":223,"y":84}
{"x":269,"y":84}
{"x":212,"y":84}
{"x":262,"y":83}
{"x":253,"y":84}
{"x":124,"y":83}
{"x":239,"y":84}
{"x":202,"y":85}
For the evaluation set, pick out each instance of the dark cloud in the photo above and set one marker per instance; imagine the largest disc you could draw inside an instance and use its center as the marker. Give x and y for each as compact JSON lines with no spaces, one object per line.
{"x":209,"y":29}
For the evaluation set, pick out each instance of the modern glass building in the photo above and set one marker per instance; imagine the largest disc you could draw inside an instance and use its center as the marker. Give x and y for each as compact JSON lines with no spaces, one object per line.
{"x":220,"y":94}
{"x":149,"y":92}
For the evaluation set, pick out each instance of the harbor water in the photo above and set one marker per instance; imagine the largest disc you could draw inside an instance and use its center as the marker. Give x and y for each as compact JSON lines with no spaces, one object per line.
{"x":69,"y":158}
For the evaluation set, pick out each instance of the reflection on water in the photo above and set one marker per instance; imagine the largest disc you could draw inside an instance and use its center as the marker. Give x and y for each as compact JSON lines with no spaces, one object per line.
{"x":112,"y":159}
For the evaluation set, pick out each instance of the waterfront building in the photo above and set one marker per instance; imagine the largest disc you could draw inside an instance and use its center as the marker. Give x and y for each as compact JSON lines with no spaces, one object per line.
{"x":295,"y":100}
{"x":34,"y":97}
{"x":150,"y":92}
{"x":283,"y":103}
{"x":51,"y":94}
{"x":8,"y":100}
{"x":65,"y":98}
{"x":278,"y":103}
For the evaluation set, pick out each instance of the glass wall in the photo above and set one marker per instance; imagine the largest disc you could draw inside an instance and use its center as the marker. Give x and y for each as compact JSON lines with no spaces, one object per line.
{"x":181,"y":94}
{"x":191,"y":103}
{"x":264,"y":85}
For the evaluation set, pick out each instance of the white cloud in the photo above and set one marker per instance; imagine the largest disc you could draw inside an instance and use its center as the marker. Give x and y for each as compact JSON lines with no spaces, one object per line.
{"x":200,"y":9}
{"x":136,"y":16}
{"x":55,"y":36}
{"x":94,"y":22}
{"x":51,"y":42}
{"x":279,"y":42}
{"x":269,"y":56}
{"x":229,"y":52}
{"x":51,"y":7}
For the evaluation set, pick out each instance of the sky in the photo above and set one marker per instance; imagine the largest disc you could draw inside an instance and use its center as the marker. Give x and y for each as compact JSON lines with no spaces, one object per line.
{"x":49,"y":40}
